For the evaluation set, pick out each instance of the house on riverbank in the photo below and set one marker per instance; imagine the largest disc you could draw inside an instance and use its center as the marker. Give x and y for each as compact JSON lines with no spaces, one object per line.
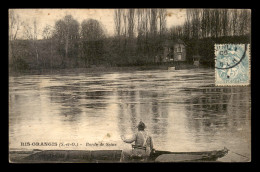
{"x":174,"y":51}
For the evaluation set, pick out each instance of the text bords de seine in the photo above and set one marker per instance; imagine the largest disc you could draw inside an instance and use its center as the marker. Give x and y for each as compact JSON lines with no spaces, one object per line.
{"x":61,"y":144}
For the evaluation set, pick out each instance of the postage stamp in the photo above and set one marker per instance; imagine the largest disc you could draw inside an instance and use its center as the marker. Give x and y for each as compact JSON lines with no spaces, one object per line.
{"x":232,"y":64}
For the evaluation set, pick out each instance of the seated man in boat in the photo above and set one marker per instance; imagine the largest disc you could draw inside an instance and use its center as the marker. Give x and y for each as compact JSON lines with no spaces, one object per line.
{"x":142,"y":147}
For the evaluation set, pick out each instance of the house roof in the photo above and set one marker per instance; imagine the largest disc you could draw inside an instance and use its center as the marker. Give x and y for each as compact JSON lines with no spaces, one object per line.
{"x":172,"y":42}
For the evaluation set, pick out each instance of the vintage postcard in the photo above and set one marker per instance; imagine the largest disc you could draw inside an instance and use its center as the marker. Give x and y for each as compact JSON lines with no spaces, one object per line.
{"x":129,"y":85}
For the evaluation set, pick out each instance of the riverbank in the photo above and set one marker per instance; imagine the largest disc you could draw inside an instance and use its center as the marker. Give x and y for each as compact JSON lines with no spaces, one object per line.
{"x":99,"y":69}
{"x":104,"y":69}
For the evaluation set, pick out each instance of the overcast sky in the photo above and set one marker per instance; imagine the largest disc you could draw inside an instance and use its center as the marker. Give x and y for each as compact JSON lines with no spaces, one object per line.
{"x":105,"y":16}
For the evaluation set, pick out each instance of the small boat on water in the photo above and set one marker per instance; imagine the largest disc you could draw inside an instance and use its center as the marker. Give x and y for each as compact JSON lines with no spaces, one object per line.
{"x":83,"y":156}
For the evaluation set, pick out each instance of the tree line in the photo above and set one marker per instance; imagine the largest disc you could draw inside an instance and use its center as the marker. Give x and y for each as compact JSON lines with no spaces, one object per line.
{"x":205,"y":27}
{"x":139,"y":34}
{"x":139,"y":37}
{"x":213,"y":23}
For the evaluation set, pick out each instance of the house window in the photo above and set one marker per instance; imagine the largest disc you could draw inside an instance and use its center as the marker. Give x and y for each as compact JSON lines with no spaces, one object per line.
{"x":179,"y":49}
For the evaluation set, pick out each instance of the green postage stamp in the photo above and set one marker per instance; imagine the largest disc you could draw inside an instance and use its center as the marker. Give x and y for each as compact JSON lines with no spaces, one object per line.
{"x":232,"y":64}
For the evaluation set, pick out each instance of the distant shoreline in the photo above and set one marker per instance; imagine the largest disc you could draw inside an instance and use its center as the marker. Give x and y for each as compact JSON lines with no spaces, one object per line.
{"x":104,"y":69}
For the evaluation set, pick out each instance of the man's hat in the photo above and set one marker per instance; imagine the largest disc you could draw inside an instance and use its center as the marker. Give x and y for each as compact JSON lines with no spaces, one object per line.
{"x":141,"y":126}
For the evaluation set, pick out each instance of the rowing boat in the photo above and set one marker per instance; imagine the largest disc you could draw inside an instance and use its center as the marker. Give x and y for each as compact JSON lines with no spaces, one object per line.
{"x":167,"y":156}
{"x":84,"y":156}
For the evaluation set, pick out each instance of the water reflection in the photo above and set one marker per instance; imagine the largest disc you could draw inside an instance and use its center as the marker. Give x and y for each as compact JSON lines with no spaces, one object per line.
{"x":218,"y":109}
{"x":141,"y":105}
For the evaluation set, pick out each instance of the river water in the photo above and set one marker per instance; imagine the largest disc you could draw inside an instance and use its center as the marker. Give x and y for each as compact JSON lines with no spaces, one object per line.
{"x":182,"y":109}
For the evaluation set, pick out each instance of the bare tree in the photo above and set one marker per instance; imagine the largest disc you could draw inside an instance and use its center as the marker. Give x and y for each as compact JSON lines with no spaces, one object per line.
{"x":188,"y":24}
{"x":224,"y":22}
{"x":196,"y":23}
{"x":147,"y":22}
{"x":47,"y":34}
{"x":234,"y":22}
{"x":146,"y":28}
{"x":217,"y":23}
{"x":131,"y":33}
{"x":162,"y":21}
{"x":14,"y":24}
{"x":140,"y":18}
{"x":118,"y":21}
{"x":131,"y":23}
{"x":248,"y":22}
{"x":31,"y":33}
{"x":67,"y":20}
{"x":153,"y":21}
{"x":204,"y":15}
{"x":244,"y":19}
{"x":125,"y":25}
{"x":14,"y":28}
